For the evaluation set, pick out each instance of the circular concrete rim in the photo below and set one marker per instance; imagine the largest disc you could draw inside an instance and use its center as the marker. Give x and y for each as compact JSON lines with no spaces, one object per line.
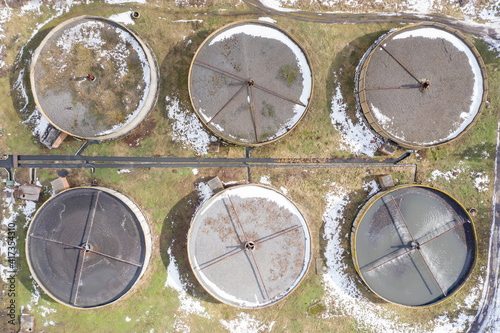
{"x":287,"y":35}
{"x":199,"y":209}
{"x":360,"y":216}
{"x":153,"y":85}
{"x":362,"y":94}
{"x":141,"y":218}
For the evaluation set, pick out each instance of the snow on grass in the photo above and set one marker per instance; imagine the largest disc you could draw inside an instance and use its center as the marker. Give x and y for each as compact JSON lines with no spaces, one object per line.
{"x":265,"y":180}
{"x":246,"y":323}
{"x":128,"y":319}
{"x":44,"y":311}
{"x":124,"y":18}
{"x":188,"y":304}
{"x":195,"y":171}
{"x":204,"y":192}
{"x":115,"y":2}
{"x":420,"y":6}
{"x":371,"y":187}
{"x":355,"y":137}
{"x":187,"y":128}
{"x":267,"y":19}
{"x":11,"y":213}
{"x":494,"y":45}
{"x":39,"y":305}
{"x":120,"y":171}
{"x":481,"y":182}
{"x":284,"y":190}
{"x":185,"y":21}
{"x":277,"y":5}
{"x":449,"y":175}
{"x":187,"y":3}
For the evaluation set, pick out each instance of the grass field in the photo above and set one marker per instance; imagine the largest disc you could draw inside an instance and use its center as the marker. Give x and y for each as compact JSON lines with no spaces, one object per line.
{"x":169,"y":196}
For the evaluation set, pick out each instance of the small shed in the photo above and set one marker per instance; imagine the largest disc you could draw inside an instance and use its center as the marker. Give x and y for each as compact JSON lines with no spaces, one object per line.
{"x":28,"y":192}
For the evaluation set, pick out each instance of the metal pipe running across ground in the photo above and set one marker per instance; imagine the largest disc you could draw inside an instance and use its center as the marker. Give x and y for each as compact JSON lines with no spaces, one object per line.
{"x":78,"y":161}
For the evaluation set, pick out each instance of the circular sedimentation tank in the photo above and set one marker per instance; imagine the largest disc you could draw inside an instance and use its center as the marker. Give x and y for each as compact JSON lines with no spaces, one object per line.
{"x":422,"y":86}
{"x":87,"y":247}
{"x":414,"y":245}
{"x":250,"y":83}
{"x":249,"y":246}
{"x":93,"y":78}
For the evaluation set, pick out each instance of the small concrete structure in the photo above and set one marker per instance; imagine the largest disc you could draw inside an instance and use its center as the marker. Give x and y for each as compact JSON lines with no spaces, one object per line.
{"x":320,"y":266}
{"x":28,"y":192}
{"x":60,"y":184}
{"x":215,"y":185}
{"x":27,"y":324}
{"x":386,"y":182}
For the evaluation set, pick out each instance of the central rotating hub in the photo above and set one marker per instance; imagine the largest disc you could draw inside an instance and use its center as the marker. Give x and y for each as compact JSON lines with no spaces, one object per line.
{"x":414,"y":245}
{"x":87,"y":247}
{"x":250,"y":245}
{"x":425,"y":84}
{"x":251,"y":82}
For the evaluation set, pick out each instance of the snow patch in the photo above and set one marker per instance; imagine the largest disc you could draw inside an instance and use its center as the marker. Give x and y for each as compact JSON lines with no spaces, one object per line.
{"x":11,"y":213}
{"x":204,"y":192}
{"x":356,"y":138}
{"x":265,"y":180}
{"x":481,"y":182}
{"x":245,"y":323}
{"x":124,"y":18}
{"x":371,"y":187}
{"x":117,"y":2}
{"x":267,"y":19}
{"x":188,"y":304}
{"x":187,"y":128}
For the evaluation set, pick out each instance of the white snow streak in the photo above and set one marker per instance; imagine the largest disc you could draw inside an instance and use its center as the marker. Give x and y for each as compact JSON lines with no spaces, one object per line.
{"x":356,"y":138}
{"x":187,"y":128}
{"x":245,"y":323}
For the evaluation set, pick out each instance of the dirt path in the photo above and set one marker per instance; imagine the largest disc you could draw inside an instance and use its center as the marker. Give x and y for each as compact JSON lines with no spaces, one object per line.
{"x":336,"y":18}
{"x":489,"y":298}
